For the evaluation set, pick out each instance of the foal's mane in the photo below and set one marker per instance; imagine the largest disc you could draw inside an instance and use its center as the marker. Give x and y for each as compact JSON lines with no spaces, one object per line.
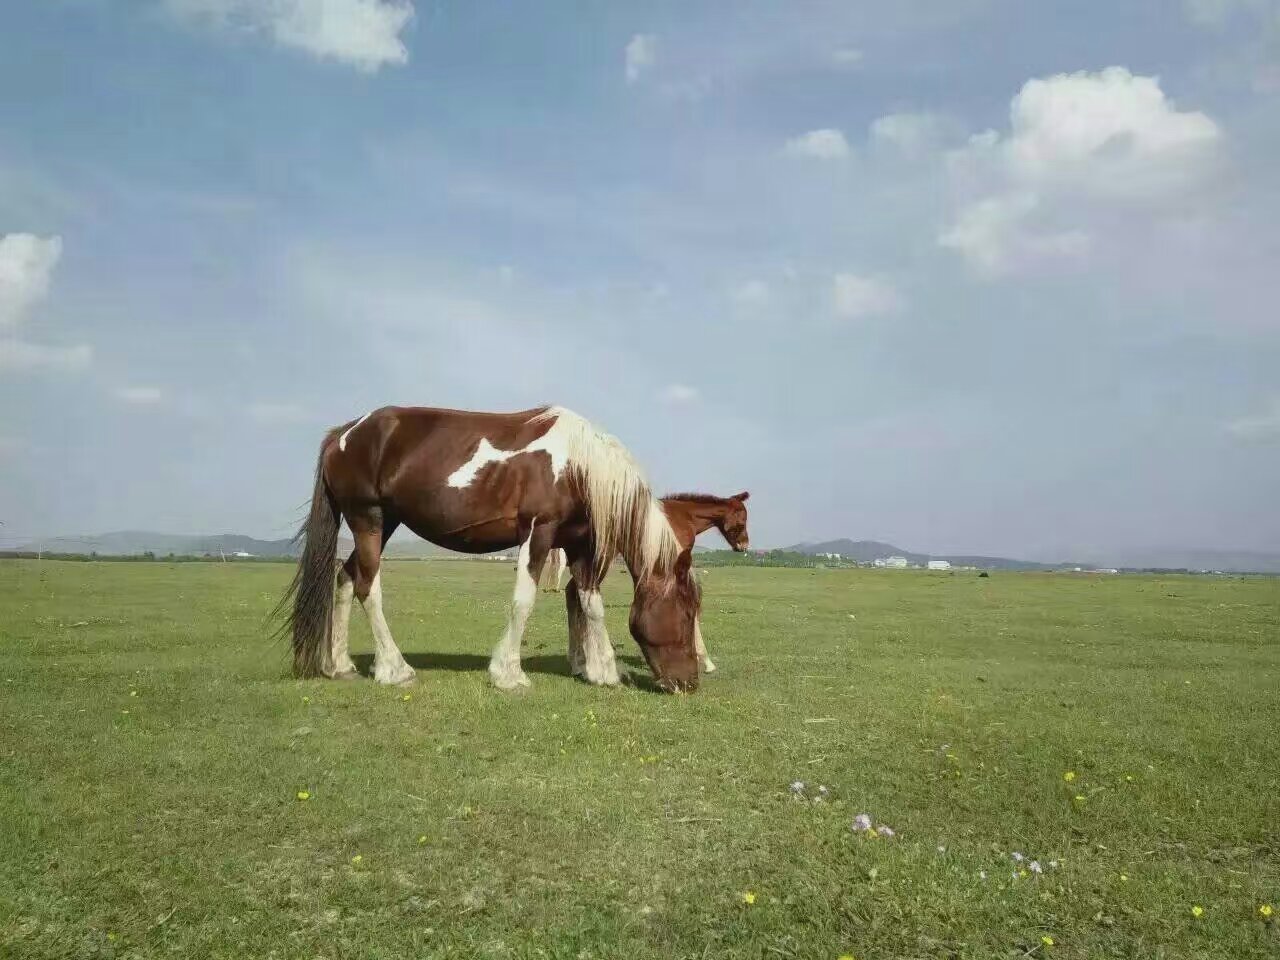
{"x":696,"y":498}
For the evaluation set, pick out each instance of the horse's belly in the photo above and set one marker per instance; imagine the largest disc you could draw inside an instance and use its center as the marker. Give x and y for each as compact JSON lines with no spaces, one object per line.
{"x":476,"y":536}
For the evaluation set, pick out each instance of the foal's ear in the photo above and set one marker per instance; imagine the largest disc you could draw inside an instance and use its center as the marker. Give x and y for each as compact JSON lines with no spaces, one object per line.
{"x":740,"y":497}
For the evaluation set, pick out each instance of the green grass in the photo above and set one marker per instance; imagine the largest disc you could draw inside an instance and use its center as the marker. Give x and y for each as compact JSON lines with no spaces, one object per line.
{"x":152,"y":746}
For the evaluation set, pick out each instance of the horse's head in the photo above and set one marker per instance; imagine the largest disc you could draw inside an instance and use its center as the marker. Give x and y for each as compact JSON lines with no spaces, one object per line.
{"x":662,"y":619}
{"x":733,"y":523}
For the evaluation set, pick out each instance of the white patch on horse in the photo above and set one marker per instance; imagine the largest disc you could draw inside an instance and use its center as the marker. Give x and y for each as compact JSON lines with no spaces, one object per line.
{"x":504,"y":665}
{"x":552,"y":442}
{"x":342,"y":440}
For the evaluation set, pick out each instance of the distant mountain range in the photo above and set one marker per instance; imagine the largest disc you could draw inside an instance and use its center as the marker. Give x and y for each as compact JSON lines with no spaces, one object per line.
{"x":124,"y":543}
{"x":137,"y":542}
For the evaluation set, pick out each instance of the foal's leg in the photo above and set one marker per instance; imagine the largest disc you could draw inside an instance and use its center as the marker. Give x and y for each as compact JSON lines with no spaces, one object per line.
{"x":388,"y":663}
{"x":551,"y":573}
{"x":596,"y":652}
{"x":707,"y":665}
{"x":338,"y":664}
{"x":577,"y":630}
{"x":504,"y":665}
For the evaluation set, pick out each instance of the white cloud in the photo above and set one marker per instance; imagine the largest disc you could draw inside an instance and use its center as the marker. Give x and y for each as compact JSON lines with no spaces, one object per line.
{"x":994,"y":237}
{"x":824,"y":144}
{"x":846,"y":56}
{"x":140,"y":396}
{"x":678,"y":393}
{"x":1262,"y":426}
{"x":362,"y":33}
{"x":20,"y":356}
{"x":911,"y":134}
{"x":1109,"y":132}
{"x":751,"y":293}
{"x":26,"y":264}
{"x":1076,"y":141}
{"x":26,"y":267}
{"x":855,"y":296}
{"x":641,"y":54}
{"x":273,"y":412}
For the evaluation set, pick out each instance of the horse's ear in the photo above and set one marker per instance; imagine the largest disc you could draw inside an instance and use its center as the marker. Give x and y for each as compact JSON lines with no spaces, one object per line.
{"x":740,"y":497}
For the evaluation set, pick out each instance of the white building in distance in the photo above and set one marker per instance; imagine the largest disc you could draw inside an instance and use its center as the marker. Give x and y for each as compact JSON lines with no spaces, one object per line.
{"x":939,"y":564}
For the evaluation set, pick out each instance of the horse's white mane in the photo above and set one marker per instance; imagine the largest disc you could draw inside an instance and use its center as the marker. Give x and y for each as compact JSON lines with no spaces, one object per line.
{"x":625,"y":516}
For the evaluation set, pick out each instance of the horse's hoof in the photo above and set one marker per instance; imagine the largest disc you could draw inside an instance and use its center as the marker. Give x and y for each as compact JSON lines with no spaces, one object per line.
{"x":511,"y":683}
{"x":347,"y":675}
{"x":403,"y":677}
{"x":708,"y":667}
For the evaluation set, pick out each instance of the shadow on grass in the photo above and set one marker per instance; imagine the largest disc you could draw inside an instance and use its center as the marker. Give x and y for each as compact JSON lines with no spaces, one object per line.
{"x":637,"y":674}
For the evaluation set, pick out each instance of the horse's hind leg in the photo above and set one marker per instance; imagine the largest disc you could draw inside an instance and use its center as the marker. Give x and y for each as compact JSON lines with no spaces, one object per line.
{"x":504,"y":665}
{"x":370,"y":534}
{"x":338,"y":664}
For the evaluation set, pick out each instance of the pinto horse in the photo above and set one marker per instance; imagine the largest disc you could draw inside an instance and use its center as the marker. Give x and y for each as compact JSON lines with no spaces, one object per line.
{"x":539,"y":479}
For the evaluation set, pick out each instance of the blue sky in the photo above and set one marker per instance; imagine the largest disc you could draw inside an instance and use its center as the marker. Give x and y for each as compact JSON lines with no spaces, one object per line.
{"x":964,"y":275}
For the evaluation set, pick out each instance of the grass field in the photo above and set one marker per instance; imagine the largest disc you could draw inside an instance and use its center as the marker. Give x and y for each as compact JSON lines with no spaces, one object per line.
{"x":153,"y":750}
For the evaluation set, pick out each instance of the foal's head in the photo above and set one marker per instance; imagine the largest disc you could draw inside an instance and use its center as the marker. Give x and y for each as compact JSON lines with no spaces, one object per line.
{"x":662,"y":618}
{"x":733,"y":523}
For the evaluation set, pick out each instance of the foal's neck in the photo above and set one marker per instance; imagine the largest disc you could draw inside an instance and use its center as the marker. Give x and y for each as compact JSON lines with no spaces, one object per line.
{"x":698,"y":514}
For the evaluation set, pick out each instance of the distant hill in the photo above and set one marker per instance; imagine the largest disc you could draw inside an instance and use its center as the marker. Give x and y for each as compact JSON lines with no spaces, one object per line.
{"x":126,"y":543}
{"x":1225,"y":561}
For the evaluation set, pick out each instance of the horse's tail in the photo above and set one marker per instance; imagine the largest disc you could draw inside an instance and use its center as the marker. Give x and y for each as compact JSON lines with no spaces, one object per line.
{"x":310,"y":620}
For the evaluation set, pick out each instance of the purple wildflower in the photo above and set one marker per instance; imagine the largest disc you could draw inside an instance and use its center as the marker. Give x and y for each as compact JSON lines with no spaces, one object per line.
{"x":885,"y":831}
{"x":862,"y":821}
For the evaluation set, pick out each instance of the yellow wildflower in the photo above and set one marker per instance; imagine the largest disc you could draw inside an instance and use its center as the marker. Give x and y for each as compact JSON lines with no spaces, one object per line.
{"x":1069,"y":776}
{"x":304,"y":795}
{"x":1124,"y":878}
{"x":1047,"y":941}
{"x":748,"y":897}
{"x":356,"y":859}
{"x":133,"y":693}
{"x":1079,"y":798}
{"x":422,"y":839}
{"x":1197,"y":911}
{"x":306,"y":699}
{"x":407,"y":697}
{"x":845,"y":956}
{"x":1265,"y":911}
